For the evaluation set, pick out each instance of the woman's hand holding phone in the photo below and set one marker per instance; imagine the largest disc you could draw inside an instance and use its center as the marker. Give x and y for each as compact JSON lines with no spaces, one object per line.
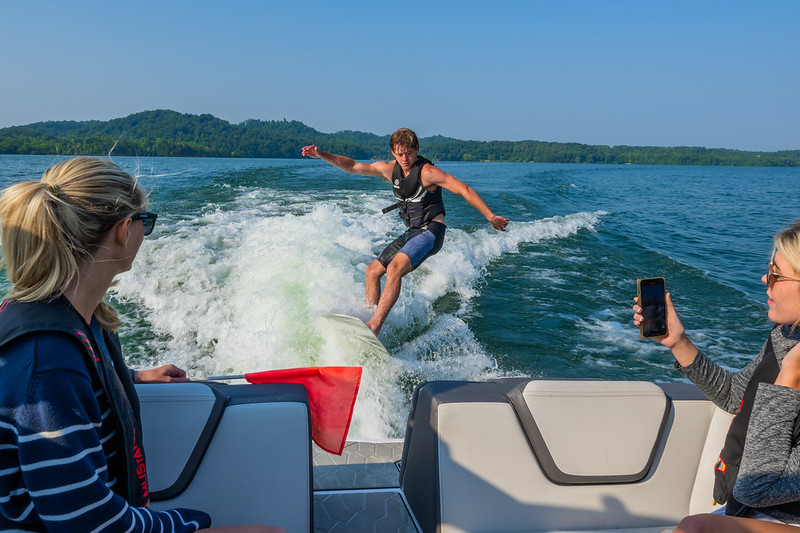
{"x":676,"y":339}
{"x":652,"y":294}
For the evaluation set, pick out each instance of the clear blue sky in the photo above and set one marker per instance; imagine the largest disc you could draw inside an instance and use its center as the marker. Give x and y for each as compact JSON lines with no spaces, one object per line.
{"x":665,"y":73}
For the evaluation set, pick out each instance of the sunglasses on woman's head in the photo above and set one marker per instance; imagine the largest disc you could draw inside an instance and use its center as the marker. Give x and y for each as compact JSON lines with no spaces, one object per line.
{"x":148,"y":221}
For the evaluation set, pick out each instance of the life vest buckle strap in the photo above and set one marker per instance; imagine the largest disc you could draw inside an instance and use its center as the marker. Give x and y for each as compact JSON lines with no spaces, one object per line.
{"x":390,"y":208}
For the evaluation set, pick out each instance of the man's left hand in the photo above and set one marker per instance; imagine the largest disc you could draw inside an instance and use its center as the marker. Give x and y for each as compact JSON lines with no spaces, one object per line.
{"x":499,"y":223}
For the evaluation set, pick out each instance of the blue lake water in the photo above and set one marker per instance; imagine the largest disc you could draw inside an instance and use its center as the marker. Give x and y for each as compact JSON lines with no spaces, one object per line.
{"x":248,"y":253}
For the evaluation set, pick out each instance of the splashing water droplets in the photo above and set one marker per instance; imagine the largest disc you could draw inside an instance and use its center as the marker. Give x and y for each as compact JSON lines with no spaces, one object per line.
{"x":241,"y":289}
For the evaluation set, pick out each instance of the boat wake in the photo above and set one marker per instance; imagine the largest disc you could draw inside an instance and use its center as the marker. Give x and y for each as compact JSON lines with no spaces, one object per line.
{"x":243,"y":290}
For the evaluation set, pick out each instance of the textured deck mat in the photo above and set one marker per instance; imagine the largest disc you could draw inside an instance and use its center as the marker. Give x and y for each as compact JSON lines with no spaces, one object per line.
{"x":362,"y":465}
{"x":362,"y":512}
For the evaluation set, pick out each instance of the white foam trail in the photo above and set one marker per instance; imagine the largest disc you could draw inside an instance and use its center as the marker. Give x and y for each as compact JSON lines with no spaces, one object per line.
{"x":241,"y":290}
{"x":465,"y":256}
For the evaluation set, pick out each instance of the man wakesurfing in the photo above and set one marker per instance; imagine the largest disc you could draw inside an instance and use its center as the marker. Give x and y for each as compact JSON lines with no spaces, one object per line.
{"x":417,"y":185}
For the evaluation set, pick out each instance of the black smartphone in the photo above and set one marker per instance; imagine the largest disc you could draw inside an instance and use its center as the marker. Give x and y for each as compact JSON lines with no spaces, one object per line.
{"x":652,"y":294}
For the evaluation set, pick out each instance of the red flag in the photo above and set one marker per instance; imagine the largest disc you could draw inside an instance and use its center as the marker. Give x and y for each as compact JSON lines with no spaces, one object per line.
{"x":332,"y":392}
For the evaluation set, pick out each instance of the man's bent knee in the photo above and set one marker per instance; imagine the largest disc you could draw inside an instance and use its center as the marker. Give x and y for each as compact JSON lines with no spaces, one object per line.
{"x":375,"y":269}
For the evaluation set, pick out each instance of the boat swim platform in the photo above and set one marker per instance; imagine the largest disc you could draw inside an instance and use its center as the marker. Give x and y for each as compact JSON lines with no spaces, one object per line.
{"x":359,"y":490}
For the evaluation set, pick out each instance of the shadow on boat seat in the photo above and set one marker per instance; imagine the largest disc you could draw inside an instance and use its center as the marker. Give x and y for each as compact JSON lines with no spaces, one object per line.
{"x":242,"y":453}
{"x":526,"y":455}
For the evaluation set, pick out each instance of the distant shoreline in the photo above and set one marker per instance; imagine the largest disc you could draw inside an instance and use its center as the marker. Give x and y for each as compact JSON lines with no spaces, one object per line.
{"x":166,"y":133}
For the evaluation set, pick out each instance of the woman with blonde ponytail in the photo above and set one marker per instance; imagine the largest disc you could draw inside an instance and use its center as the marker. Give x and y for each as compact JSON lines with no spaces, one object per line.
{"x":52,"y":227}
{"x":71,"y":457}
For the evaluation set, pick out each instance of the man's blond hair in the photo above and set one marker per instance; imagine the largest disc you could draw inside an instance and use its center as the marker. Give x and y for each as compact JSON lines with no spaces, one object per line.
{"x":404,"y":138}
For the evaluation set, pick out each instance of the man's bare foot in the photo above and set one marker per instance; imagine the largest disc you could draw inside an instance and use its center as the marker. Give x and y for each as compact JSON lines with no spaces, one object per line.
{"x":375,"y":328}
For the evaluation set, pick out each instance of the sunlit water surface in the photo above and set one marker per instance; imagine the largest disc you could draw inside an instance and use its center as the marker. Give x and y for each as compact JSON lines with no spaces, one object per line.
{"x":249,"y":253}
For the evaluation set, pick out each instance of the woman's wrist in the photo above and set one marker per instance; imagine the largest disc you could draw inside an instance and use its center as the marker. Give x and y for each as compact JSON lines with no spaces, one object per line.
{"x":684,"y":351}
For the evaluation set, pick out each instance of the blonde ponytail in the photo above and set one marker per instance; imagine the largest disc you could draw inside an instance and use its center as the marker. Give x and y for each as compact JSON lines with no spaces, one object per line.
{"x":48,"y":228}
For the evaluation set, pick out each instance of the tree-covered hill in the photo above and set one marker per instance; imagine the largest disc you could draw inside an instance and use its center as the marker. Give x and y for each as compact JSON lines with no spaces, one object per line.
{"x":169,"y":133}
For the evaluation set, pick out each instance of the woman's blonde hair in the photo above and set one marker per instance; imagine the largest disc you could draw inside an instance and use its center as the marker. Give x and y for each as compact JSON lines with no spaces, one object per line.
{"x":49,"y":227}
{"x":787,"y":242}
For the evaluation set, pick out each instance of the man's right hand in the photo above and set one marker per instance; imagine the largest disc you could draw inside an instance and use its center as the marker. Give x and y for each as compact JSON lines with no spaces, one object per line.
{"x":311,"y":151}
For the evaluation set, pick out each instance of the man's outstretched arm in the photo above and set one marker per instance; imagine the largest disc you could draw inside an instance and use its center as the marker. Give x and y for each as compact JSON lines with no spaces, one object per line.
{"x":378,"y":169}
{"x":435,"y":176}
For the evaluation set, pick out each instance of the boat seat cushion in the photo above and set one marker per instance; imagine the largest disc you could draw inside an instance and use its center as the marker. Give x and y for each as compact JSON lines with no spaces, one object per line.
{"x":592,"y":431}
{"x":242,"y":453}
{"x":622,"y":456}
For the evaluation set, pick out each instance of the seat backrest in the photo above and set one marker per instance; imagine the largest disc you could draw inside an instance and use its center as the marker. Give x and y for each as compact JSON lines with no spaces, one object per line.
{"x":544,"y":455}
{"x":241,"y":453}
{"x":591,"y":432}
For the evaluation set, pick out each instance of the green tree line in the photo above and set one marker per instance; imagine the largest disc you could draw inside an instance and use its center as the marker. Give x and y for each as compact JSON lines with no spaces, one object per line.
{"x":172,"y":134}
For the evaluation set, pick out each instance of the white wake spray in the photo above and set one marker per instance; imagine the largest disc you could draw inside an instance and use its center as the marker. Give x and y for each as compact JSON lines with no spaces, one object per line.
{"x":242,"y":290}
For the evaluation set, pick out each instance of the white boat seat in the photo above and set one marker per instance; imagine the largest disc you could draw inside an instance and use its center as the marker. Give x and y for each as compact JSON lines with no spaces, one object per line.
{"x":598,"y":432}
{"x":242,"y":453}
{"x":526,"y":455}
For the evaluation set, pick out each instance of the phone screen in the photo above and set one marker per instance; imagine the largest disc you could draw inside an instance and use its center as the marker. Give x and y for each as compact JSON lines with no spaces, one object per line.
{"x":652,"y":299}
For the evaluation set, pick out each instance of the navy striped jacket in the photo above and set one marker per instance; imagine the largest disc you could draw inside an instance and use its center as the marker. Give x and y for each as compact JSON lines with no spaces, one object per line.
{"x":59,"y":455}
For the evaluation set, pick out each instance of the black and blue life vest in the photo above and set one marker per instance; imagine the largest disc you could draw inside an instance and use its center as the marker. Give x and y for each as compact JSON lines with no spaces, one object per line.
{"x":23,"y":318}
{"x":417,"y":206}
{"x":726,"y":469}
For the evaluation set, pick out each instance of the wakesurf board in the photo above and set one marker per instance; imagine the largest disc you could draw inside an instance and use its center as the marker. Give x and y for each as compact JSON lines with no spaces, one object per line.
{"x":355,"y":333}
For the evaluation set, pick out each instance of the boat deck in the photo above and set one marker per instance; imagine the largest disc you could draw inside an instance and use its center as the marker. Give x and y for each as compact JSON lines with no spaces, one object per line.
{"x":359,"y":491}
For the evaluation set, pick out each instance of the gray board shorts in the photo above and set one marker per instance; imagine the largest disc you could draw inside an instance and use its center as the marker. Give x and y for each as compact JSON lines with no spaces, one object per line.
{"x":417,"y":243}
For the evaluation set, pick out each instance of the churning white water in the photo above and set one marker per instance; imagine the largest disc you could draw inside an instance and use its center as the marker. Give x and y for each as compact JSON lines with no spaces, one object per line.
{"x":241,"y":288}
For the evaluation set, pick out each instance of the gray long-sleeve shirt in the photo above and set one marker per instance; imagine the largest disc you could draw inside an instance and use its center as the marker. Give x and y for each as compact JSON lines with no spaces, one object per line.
{"x":769,"y":474}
